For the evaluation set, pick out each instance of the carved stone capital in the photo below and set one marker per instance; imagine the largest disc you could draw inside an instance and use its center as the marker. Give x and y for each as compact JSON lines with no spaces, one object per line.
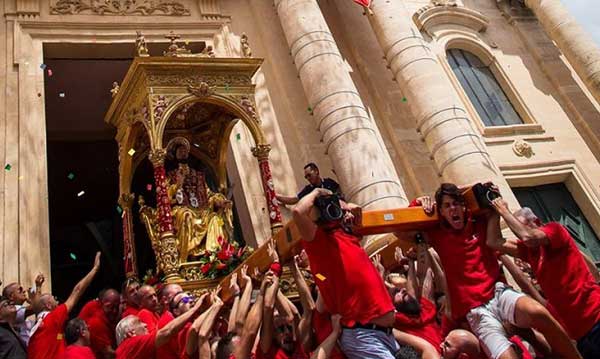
{"x":157,"y":157}
{"x":126,"y":201}
{"x":261,"y":151}
{"x":514,"y":10}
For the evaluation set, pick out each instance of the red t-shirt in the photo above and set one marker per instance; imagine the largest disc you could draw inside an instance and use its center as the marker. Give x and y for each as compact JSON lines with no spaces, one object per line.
{"x":565,"y":279}
{"x":278,"y":353}
{"x":90,"y":309}
{"x":150,"y":319}
{"x":321,"y":323}
{"x":102,"y":333}
{"x":170,"y":350}
{"x":140,"y":346}
{"x":344,"y":274}
{"x":78,"y":352}
{"x":425,"y":326}
{"x":471,"y":266}
{"x":130,"y":311}
{"x":48,"y":340}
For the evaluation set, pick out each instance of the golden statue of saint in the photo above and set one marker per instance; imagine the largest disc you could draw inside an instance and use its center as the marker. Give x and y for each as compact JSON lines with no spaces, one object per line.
{"x":200,"y":216}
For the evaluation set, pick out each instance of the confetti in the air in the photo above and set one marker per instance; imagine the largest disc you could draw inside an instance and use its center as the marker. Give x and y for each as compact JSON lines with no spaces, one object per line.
{"x":238,"y":136}
{"x":50,"y":72}
{"x":71,"y":176}
{"x":149,"y":187}
{"x":404,"y":99}
{"x":131,"y":152}
{"x":80,"y":193}
{"x":320,"y":277}
{"x":62,"y":94}
{"x":7,"y":167}
{"x":43,"y":66}
{"x":119,"y":209}
{"x":73,"y":256}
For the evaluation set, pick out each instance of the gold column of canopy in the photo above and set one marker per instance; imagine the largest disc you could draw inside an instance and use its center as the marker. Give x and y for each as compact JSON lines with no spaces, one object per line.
{"x":158,"y":102}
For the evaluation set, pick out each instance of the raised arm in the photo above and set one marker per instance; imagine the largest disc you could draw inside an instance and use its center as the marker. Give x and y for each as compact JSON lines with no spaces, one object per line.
{"x":324,"y":349}
{"x":80,"y":287}
{"x":289,"y":200}
{"x":266,"y":331}
{"x":165,"y":333}
{"x":411,"y":282}
{"x":235,"y":289}
{"x":494,"y":238}
{"x":244,"y":306}
{"x":301,"y":213}
{"x":524,"y":283}
{"x":531,"y":237}
{"x":191,"y":342}
{"x":252,"y":323}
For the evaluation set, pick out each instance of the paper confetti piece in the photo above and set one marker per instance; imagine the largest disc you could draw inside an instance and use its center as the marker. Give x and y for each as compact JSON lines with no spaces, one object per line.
{"x":80,"y":193}
{"x":62,"y":94}
{"x":149,"y":187}
{"x":7,"y":167}
{"x":404,"y":99}
{"x":131,"y":152}
{"x":238,"y":136}
{"x":310,"y":110}
{"x":43,"y":66}
{"x":119,"y":209}
{"x":73,"y":256}
{"x":50,"y":72}
{"x":320,"y":277}
{"x":71,"y":176}
{"x":21,"y":177}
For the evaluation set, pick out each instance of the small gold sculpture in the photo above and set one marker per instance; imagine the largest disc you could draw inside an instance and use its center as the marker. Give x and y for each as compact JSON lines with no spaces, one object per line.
{"x":115,"y":89}
{"x":174,"y":50}
{"x":246,"y":50}
{"x":140,"y":45}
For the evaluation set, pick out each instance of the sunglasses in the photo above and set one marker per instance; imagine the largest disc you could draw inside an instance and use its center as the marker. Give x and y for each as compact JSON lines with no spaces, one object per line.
{"x":284,"y":328}
{"x":187,"y":298}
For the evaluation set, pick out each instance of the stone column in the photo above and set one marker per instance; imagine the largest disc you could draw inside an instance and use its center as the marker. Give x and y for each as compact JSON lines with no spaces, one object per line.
{"x":361,"y":162}
{"x":457,"y":148}
{"x":167,"y":259}
{"x":575,"y":43}
{"x":129,"y":257}
{"x":261,"y":152}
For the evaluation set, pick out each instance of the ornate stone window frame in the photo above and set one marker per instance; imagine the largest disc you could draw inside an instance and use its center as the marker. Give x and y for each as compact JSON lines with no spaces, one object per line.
{"x":565,"y":171}
{"x":475,"y":45}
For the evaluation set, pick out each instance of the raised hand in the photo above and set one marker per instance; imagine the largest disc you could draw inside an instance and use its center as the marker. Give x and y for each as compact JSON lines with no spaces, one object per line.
{"x":399,"y":256}
{"x":97,"y":261}
{"x":272,"y":250}
{"x":39,"y":280}
{"x":267,"y":281}
{"x":426,"y":203}
{"x":245,"y":278}
{"x":233,"y":283}
{"x":500,"y":204}
{"x":214,"y":296}
{"x":335,"y":323}
{"x":376,"y":259}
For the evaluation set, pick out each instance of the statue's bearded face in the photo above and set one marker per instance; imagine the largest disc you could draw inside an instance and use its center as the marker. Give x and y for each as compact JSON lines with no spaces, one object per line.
{"x":181,"y":153}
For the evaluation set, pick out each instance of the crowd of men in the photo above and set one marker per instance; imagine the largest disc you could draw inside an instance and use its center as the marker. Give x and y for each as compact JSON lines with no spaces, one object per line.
{"x":447,"y":297}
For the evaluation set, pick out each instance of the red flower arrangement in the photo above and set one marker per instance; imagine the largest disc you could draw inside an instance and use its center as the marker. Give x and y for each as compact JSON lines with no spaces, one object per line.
{"x":223,"y":261}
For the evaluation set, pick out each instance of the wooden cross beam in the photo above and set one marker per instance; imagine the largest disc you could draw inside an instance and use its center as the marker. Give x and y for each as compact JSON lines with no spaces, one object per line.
{"x":399,"y":220}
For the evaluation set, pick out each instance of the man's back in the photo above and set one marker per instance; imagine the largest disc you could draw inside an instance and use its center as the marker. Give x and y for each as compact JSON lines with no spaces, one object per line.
{"x":47,"y":342}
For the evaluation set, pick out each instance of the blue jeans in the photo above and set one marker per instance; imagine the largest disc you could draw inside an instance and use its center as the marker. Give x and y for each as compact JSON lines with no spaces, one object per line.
{"x":360,"y":343}
{"x":589,"y":344}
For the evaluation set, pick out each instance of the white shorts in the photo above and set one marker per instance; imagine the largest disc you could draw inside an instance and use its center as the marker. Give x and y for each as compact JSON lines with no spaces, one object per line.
{"x":486,"y":320}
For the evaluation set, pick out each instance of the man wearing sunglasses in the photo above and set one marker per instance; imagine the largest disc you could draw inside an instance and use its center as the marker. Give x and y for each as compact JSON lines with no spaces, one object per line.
{"x":11,"y":346}
{"x":311,"y":174}
{"x":24,"y":305}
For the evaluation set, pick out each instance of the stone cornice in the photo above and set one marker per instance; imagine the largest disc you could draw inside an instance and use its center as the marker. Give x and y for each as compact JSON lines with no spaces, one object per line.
{"x":432,"y":15}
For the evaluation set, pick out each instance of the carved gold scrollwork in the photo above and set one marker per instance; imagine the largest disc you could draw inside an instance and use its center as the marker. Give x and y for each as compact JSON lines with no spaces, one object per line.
{"x":157,"y":156}
{"x":248,"y":106}
{"x":126,"y":200}
{"x":168,"y":260}
{"x":119,"y":7}
{"x":202,"y":90}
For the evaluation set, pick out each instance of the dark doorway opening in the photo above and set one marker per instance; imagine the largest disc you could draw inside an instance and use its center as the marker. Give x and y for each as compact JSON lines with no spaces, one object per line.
{"x":82,"y":169}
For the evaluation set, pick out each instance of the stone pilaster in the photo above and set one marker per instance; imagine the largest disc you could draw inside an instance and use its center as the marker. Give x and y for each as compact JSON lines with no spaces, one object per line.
{"x":575,"y":43}
{"x":457,"y":148}
{"x":363,"y":167}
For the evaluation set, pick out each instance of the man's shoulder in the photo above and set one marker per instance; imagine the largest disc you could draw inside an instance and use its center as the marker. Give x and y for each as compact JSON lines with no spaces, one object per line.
{"x":330,"y":182}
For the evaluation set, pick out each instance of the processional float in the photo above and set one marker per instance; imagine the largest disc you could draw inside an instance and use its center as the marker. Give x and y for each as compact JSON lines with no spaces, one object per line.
{"x":162,"y":104}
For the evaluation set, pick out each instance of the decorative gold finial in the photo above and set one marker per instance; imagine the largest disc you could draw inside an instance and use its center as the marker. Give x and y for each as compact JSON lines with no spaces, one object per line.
{"x":115,"y":89}
{"x":140,"y":45}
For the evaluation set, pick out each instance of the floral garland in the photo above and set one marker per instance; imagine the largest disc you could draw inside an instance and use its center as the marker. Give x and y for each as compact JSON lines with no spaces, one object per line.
{"x":221,"y":262}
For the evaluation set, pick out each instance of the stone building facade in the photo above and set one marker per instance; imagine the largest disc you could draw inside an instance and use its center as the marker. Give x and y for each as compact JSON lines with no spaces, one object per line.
{"x":372,"y":95}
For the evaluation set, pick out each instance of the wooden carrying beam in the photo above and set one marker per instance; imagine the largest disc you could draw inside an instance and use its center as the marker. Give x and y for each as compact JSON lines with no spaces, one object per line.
{"x":369,"y":222}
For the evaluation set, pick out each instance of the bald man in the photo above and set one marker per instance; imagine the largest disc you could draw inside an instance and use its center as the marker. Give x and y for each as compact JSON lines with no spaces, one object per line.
{"x":171,"y":350}
{"x":149,"y":307}
{"x":461,"y":344}
{"x":102,"y":323}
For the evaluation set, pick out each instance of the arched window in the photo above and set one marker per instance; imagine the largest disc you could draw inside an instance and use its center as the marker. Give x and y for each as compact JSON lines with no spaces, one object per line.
{"x":488,"y":98}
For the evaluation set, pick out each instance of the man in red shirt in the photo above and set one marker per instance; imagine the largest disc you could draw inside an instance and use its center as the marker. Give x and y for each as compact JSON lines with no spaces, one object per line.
{"x":475,"y":285}
{"x":171,"y":350}
{"x":131,"y":297}
{"x":347,"y":280}
{"x":102,"y":324}
{"x":47,"y":334}
{"x":77,"y":337}
{"x":560,"y":270}
{"x":149,"y":307}
{"x":135,"y":341}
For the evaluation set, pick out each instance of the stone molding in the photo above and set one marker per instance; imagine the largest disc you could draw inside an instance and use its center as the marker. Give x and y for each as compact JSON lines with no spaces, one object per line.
{"x":514,"y":10}
{"x":449,"y":14}
{"x":119,"y":7}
